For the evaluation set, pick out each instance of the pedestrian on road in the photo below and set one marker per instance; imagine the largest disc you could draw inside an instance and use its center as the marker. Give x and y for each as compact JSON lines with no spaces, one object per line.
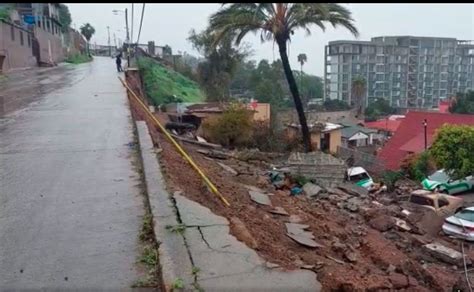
{"x":118,"y":61}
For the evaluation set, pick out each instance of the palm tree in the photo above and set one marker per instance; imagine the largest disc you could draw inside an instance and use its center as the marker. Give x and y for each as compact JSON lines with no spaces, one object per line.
{"x":358,"y":91}
{"x":277,"y":22}
{"x":302,"y":59}
{"x":87,"y":31}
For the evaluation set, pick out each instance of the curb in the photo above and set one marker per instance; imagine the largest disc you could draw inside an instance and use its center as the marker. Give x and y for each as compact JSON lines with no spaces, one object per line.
{"x":173,"y":253}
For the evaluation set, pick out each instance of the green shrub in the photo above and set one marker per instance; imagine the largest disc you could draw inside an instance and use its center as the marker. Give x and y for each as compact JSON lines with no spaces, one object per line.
{"x":418,"y":166}
{"x":389,"y":178}
{"x":233,"y":128}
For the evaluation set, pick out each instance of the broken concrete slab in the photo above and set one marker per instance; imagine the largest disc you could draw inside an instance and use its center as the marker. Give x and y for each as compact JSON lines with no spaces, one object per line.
{"x":228,"y":168}
{"x":279,"y":211}
{"x":311,"y":190}
{"x":194,"y":214}
{"x":353,"y":189}
{"x":260,"y":198}
{"x":304,"y":240}
{"x":445,"y":254}
{"x":402,"y":224}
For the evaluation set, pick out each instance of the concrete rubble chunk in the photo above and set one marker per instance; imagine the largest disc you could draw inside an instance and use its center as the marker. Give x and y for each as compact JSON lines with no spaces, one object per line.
{"x":260,"y":198}
{"x":279,"y":211}
{"x":193,"y":214}
{"x":350,"y":256}
{"x":311,"y":190}
{"x":228,"y":168}
{"x":402,"y":224}
{"x":303,"y":240}
{"x":353,"y":189}
{"x":445,"y":254}
{"x":295,"y":219}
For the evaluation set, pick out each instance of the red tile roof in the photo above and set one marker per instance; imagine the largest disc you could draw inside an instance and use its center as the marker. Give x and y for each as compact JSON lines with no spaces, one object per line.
{"x":385,"y":125}
{"x":409,"y":137}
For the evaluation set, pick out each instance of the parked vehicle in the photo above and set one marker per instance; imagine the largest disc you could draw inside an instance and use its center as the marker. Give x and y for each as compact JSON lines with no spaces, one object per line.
{"x":360,"y":177}
{"x":441,"y":182}
{"x":442,"y":204}
{"x":461,"y":224}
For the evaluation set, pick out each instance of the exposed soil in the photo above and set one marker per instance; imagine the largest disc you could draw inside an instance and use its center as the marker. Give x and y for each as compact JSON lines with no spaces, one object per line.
{"x":354,"y":256}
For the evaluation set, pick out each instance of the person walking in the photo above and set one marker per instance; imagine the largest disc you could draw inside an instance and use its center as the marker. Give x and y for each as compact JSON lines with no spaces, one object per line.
{"x":118,"y":61}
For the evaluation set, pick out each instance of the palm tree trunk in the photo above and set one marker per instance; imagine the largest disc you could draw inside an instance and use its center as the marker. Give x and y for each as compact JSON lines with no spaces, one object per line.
{"x":296,"y":96}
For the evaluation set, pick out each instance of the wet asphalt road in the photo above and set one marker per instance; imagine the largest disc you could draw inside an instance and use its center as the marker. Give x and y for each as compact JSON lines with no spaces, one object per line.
{"x":70,"y":210}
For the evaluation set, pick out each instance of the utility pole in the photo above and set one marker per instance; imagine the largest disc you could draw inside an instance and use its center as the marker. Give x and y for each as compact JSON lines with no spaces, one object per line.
{"x":115,"y":41}
{"x":425,"y":124}
{"x":128,"y":37}
{"x":108,"y":41}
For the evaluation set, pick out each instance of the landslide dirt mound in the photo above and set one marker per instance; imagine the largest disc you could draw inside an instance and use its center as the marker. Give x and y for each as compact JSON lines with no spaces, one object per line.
{"x":353,"y":256}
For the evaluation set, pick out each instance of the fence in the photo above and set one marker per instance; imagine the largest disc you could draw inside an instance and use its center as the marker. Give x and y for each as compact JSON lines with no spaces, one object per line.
{"x":355,"y":157}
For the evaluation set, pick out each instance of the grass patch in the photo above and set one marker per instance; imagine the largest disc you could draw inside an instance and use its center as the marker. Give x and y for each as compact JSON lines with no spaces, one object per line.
{"x":78,"y":59}
{"x":162,"y":84}
{"x":177,"y":284}
{"x":180,"y":228}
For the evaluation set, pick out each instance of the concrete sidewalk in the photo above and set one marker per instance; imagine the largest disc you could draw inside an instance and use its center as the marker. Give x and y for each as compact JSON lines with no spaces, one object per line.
{"x":70,"y":211}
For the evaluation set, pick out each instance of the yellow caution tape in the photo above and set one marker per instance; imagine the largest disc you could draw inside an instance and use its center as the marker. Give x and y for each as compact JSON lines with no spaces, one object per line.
{"x":180,"y":149}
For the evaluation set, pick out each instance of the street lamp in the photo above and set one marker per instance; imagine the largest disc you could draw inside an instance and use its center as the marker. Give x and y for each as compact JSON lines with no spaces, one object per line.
{"x":425,"y":124}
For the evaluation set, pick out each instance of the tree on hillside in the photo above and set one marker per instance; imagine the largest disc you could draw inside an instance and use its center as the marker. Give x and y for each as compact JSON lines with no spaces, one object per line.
{"x":453,"y":149}
{"x":216,"y":72}
{"x":378,"y":109}
{"x":87,"y":31}
{"x":335,"y":105}
{"x":463,"y":103}
{"x":64,"y":17}
{"x":359,"y":86}
{"x":277,"y":22}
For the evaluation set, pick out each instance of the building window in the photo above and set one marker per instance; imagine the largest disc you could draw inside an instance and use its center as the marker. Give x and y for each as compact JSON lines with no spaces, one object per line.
{"x":12,"y":32}
{"x":21,"y":38}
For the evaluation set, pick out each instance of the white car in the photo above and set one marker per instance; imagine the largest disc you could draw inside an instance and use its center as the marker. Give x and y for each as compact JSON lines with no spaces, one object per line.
{"x":360,"y":177}
{"x":461,"y":224}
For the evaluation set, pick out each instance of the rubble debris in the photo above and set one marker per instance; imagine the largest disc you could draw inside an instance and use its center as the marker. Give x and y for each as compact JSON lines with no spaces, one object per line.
{"x":445,"y":254}
{"x":191,"y":141}
{"x":307,"y":267}
{"x":253,"y":188}
{"x":279,"y":211}
{"x":334,"y":259}
{"x":352,"y":204}
{"x":270,"y":265}
{"x":353,"y":189}
{"x":303,"y":240}
{"x":242,"y":233}
{"x":402,"y":224}
{"x":228,"y":168}
{"x":311,"y":190}
{"x":201,"y":139}
{"x":294,"y":219}
{"x":382,"y":222}
{"x":350,"y":256}
{"x":296,"y":191}
{"x":398,"y":281}
{"x":214,"y":154}
{"x":260,"y":198}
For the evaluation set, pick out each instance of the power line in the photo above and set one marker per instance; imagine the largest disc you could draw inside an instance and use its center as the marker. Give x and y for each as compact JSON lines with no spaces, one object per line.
{"x":131,"y":37}
{"x":141,"y":22}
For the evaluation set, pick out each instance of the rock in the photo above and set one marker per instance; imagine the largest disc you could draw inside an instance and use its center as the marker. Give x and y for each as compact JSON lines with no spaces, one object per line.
{"x":271,"y":265}
{"x":391,"y":268}
{"x":351,"y":206}
{"x":398,"y":281}
{"x":337,"y":246}
{"x":279,"y":211}
{"x":323,"y":195}
{"x":298,"y":229}
{"x":402,"y":224}
{"x":412,"y":281}
{"x":228,"y":168}
{"x":311,"y":190}
{"x":353,"y":189}
{"x":350,"y":256}
{"x":242,"y":233}
{"x":382,"y":223}
{"x":445,"y":254}
{"x":260,"y":198}
{"x":295,"y":219}
{"x":303,"y":240}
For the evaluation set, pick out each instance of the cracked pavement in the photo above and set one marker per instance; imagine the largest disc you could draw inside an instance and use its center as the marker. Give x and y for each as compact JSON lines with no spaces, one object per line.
{"x":227,"y":264}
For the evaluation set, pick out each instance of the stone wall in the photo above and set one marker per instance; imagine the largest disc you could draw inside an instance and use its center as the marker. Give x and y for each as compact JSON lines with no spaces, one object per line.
{"x":325,"y":169}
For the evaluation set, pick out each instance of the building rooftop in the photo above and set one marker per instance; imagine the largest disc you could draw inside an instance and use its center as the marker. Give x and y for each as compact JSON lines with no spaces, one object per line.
{"x":409,"y":137}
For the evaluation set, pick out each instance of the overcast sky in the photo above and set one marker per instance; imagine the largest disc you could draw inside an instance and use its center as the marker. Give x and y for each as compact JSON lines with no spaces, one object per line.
{"x":170,"y":24}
